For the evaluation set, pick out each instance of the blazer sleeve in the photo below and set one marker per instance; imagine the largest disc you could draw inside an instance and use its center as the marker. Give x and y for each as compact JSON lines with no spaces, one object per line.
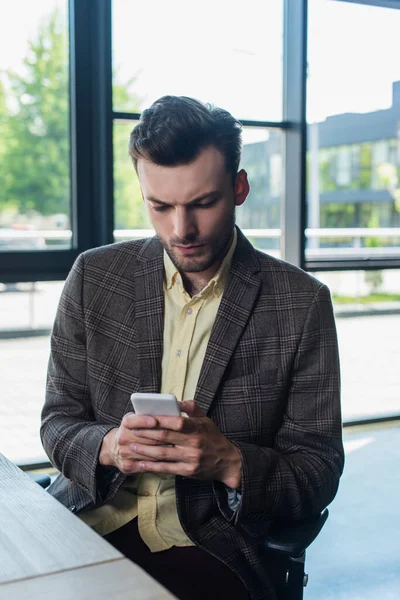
{"x":69,"y":432}
{"x":299,"y":476}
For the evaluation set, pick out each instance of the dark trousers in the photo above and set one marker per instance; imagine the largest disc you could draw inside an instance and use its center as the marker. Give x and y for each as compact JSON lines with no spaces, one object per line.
{"x":189,"y":572}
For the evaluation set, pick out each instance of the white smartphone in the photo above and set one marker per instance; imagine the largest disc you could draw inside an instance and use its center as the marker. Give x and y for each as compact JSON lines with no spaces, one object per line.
{"x":162,"y":405}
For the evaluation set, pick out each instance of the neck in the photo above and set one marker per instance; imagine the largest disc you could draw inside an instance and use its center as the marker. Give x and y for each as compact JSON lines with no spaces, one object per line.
{"x":194,"y":282}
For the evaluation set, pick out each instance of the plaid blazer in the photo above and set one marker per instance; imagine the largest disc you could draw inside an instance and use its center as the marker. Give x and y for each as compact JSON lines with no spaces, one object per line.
{"x":269,"y":380}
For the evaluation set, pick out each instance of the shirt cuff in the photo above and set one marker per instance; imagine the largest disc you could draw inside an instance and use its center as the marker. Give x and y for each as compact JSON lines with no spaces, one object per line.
{"x":234,"y":498}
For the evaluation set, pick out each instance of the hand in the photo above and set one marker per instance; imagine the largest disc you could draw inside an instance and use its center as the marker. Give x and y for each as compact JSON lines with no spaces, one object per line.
{"x":191,"y":447}
{"x":115,"y":450}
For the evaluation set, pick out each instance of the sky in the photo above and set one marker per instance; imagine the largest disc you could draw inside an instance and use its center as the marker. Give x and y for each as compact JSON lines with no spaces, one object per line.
{"x":230,"y":53}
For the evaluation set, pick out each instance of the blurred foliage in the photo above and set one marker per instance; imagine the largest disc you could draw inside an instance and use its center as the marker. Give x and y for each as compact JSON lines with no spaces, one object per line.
{"x":374,"y":279}
{"x":129,"y":212}
{"x":34,"y":134}
{"x":35,"y":118}
{"x":370,"y":298}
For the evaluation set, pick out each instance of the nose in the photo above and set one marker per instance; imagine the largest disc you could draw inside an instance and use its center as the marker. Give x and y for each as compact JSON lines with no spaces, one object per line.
{"x":184,"y":224}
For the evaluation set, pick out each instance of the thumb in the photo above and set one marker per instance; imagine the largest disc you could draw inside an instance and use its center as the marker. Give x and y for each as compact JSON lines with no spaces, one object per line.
{"x":191,"y":409}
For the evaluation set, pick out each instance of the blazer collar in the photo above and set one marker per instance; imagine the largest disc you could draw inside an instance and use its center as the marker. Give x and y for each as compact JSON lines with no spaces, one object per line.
{"x":235,"y":309}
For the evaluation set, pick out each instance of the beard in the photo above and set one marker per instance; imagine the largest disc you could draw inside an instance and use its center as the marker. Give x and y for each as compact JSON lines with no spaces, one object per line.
{"x":211,"y":251}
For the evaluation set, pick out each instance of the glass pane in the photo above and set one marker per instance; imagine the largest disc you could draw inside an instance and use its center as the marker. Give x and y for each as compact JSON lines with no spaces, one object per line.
{"x":353,"y":157}
{"x":367,"y":309}
{"x":130,"y":216}
{"x":27,"y":312}
{"x":230,"y":55}
{"x":259,"y":216}
{"x":35,"y":207}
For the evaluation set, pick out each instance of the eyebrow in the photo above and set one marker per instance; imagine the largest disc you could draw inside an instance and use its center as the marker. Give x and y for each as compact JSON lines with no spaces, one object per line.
{"x":194,"y":201}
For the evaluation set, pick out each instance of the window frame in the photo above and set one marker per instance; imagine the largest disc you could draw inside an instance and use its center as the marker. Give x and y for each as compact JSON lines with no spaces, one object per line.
{"x":91,"y":141}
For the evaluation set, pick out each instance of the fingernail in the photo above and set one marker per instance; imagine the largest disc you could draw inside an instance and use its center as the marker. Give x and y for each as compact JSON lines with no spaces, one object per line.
{"x":149,"y":421}
{"x":133,"y":447}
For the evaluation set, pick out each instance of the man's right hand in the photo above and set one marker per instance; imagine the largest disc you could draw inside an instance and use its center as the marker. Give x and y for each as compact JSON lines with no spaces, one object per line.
{"x":115,"y":449}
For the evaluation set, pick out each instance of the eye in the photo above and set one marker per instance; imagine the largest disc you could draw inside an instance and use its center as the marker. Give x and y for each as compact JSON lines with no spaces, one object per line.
{"x":208,"y":204}
{"x":159,"y":208}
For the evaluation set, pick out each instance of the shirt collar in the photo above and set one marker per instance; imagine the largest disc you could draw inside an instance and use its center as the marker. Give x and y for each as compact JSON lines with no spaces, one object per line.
{"x":217,"y":283}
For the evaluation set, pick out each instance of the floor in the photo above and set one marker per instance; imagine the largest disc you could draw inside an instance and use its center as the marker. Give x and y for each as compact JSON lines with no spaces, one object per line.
{"x":357,"y":554}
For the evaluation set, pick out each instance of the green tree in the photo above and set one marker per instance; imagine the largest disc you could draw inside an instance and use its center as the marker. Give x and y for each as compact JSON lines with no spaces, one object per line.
{"x":365,"y":166}
{"x":37,"y":158}
{"x":34,"y":134}
{"x":129,"y":211}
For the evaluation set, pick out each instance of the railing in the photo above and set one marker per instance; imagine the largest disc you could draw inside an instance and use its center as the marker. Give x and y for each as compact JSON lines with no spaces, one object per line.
{"x":355,"y":247}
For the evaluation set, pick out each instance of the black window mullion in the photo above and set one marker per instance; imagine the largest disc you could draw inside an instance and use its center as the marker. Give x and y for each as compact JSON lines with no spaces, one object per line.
{"x":102,"y":123}
{"x":92,"y":147}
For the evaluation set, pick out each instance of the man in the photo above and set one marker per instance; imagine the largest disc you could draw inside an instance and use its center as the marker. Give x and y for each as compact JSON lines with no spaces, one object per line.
{"x":197,"y":312}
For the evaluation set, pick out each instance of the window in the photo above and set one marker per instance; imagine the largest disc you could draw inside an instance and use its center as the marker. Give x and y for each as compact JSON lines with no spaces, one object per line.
{"x":27,"y":312}
{"x":353,"y":108}
{"x":367,"y":311}
{"x":35,"y":198}
{"x":98,"y":71}
{"x":130,"y":216}
{"x":343,"y":172}
{"x":210,"y":72}
{"x":260,"y":216}
{"x":209,"y":51}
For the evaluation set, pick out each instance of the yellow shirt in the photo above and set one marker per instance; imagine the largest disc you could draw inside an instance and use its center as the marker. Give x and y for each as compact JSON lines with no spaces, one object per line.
{"x":187,"y":328}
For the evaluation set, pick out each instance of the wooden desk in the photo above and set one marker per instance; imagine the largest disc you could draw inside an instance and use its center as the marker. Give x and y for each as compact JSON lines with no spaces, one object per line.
{"x":46,"y":551}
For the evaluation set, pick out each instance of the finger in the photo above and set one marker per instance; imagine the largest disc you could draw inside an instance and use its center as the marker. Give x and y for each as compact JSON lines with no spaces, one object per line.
{"x":132,"y":421}
{"x":179,"y":424}
{"x":168,"y":468}
{"x":159,"y":453}
{"x":138,"y":436}
{"x":158,"y":437}
{"x":131,"y":466}
{"x":135,"y":456}
{"x":191,"y":408}
{"x":129,"y":455}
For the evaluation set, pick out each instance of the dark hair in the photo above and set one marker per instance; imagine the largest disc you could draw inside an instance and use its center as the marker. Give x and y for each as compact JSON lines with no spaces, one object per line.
{"x":176,"y":128}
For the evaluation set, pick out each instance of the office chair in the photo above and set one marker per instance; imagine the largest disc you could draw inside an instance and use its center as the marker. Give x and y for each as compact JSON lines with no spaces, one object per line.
{"x":285,"y":554}
{"x":285,"y":550}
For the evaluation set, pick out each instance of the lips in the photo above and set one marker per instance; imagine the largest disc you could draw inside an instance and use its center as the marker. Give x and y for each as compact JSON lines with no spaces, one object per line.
{"x":189,"y":249}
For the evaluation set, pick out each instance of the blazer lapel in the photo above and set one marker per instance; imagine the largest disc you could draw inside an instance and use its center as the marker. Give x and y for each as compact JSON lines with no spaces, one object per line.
{"x":236,"y":306}
{"x":149,"y":315}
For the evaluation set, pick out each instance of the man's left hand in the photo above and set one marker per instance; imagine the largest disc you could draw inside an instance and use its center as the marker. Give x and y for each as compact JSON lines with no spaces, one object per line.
{"x":191,"y":447}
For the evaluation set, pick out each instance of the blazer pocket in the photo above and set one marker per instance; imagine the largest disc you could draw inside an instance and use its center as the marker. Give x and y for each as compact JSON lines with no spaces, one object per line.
{"x":262,"y":377}
{"x":248,"y":407}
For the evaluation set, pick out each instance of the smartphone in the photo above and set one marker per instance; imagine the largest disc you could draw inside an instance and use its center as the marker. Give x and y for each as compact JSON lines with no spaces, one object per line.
{"x":162,"y":405}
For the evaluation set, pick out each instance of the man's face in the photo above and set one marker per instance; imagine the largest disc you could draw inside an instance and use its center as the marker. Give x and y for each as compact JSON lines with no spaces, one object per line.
{"x":192,"y":208}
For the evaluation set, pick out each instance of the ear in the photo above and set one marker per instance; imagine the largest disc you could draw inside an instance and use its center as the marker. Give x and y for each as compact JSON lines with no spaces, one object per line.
{"x":242,"y":187}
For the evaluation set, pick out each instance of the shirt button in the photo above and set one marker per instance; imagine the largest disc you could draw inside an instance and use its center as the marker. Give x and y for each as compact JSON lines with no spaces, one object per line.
{"x":179,"y":353}
{"x":189,"y":311}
